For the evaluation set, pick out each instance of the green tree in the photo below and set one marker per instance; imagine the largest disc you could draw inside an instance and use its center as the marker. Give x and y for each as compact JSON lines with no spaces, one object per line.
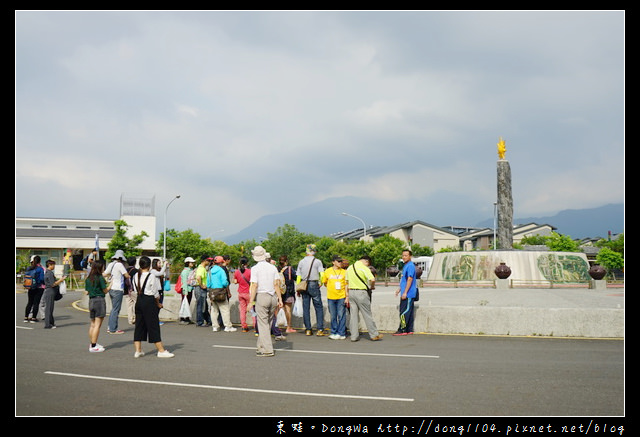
{"x":288,"y":240}
{"x":385,"y":252}
{"x":120,"y":241}
{"x":617,"y":245}
{"x":609,"y":259}
{"x":418,"y":250}
{"x":561,"y":243}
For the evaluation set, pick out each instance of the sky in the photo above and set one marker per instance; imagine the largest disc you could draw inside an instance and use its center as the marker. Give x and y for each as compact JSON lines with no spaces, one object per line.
{"x":249,"y":113}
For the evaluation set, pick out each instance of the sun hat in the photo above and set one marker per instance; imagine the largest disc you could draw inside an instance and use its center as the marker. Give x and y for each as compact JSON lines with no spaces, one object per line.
{"x":189,"y":260}
{"x":311,"y":249}
{"x":119,"y":255}
{"x":259,"y":254}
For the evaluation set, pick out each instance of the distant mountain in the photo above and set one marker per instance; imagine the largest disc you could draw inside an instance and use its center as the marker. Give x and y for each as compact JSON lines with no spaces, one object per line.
{"x":580,"y":223}
{"x":324,"y":217}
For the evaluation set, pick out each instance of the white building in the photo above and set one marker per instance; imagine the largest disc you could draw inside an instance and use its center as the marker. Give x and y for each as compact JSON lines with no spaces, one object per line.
{"x":51,"y":238}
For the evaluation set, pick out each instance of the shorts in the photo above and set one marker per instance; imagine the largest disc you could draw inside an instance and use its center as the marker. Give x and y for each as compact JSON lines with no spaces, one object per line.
{"x":97,"y":307}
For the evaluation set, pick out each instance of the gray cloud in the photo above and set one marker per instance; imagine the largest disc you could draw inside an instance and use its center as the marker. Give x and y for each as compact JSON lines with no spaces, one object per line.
{"x":230,"y":109}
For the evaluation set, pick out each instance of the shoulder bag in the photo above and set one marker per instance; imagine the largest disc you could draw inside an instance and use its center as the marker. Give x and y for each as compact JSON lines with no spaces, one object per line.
{"x":302,"y":285}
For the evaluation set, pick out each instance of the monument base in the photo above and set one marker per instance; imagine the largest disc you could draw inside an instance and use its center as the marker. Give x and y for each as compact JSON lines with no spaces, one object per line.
{"x":598,"y":284}
{"x":527,"y":267}
{"x":502,"y":284}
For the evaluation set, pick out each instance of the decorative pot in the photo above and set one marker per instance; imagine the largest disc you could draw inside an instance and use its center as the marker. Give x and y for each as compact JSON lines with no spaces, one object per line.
{"x":503,"y":271}
{"x":597,"y":272}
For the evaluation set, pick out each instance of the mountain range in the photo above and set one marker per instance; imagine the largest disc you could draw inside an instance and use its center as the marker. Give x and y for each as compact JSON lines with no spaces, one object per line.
{"x":326,"y":218}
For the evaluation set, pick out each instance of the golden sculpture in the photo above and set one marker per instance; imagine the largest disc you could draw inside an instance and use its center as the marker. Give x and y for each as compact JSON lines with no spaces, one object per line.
{"x":501,"y":148}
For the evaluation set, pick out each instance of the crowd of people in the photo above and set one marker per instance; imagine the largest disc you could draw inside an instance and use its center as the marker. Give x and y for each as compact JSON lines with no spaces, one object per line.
{"x":263,"y":290}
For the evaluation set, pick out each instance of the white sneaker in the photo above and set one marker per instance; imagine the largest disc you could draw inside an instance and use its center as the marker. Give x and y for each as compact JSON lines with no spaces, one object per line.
{"x":215,"y":329}
{"x":96,"y":348}
{"x":165,"y":354}
{"x":138,"y":355}
{"x":230,"y":329}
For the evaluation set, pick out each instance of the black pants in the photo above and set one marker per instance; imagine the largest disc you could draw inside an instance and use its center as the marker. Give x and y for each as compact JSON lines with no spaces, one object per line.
{"x":34,"y":295}
{"x":147,"y":320}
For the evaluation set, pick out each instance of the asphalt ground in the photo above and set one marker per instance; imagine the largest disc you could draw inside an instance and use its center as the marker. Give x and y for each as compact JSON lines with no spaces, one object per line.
{"x":314,"y":378}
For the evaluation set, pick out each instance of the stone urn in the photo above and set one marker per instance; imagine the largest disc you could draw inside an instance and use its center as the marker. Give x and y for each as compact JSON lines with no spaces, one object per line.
{"x":597,"y":272}
{"x":503,"y":271}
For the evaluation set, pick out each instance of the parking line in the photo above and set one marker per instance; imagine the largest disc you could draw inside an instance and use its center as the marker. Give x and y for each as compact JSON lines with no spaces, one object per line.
{"x":334,"y":352}
{"x":218,"y":387}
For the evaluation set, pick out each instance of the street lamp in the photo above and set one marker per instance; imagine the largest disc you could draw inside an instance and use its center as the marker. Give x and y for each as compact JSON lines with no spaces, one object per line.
{"x":364,"y":227}
{"x":164,"y":249}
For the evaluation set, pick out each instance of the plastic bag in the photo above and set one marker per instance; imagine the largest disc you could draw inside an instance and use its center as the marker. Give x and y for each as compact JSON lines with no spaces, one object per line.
{"x":297,"y":307}
{"x":185,"y":309}
{"x":167,"y":285}
{"x":281,"y":318}
{"x":63,"y":288}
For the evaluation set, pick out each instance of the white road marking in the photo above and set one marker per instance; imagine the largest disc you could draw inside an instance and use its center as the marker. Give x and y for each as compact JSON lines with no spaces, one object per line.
{"x":335,"y":352}
{"x":218,"y":387}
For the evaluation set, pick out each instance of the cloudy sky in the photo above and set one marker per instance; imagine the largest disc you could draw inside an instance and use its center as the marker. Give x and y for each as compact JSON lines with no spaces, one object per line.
{"x":251,"y":113}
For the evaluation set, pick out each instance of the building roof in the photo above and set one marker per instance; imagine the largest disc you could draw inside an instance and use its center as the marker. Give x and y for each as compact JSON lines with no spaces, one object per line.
{"x":379,"y":231}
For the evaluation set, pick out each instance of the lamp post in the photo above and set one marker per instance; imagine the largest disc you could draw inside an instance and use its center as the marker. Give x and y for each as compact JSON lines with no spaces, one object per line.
{"x":364,"y":227}
{"x":164,"y":249}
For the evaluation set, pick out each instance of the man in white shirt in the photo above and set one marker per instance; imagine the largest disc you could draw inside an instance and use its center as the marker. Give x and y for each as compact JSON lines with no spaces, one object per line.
{"x":117,"y":270}
{"x":264,"y":299}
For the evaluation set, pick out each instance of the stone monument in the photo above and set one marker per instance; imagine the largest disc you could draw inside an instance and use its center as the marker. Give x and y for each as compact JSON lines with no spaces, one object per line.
{"x":505,"y":201}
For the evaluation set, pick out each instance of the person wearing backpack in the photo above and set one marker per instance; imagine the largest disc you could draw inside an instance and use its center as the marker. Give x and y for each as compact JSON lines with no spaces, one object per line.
{"x":35,"y":286}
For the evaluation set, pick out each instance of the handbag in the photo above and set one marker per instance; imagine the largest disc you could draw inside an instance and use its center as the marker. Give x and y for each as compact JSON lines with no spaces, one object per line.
{"x":217,"y":294}
{"x":302,"y":285}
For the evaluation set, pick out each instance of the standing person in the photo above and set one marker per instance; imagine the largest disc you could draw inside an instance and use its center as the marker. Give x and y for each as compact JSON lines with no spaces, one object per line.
{"x":265,"y":298}
{"x":289,"y":296}
{"x":158,"y":270}
{"x":407,"y":292}
{"x":130,"y":295}
{"x":49,"y":295}
{"x":187,"y":290}
{"x":203,"y":318}
{"x":360,"y":283}
{"x":335,"y":279}
{"x":35,"y":291}
{"x":226,"y":261}
{"x":242,"y":277}
{"x":309,"y":269}
{"x":147,"y":309}
{"x":118,"y":272}
{"x":218,"y":289}
{"x":96,"y":287}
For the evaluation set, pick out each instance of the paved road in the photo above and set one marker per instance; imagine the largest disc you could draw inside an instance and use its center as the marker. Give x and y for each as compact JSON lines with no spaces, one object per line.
{"x":218,"y":374}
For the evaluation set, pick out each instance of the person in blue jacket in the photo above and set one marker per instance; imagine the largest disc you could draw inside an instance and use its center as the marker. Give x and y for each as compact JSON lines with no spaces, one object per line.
{"x":218,"y":290}
{"x":407,"y":291}
{"x":35,"y":290}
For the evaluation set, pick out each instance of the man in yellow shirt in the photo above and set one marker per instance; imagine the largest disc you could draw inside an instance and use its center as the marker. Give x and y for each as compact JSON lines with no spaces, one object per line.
{"x":200,"y":292}
{"x":360,"y":283}
{"x":335,"y":279}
